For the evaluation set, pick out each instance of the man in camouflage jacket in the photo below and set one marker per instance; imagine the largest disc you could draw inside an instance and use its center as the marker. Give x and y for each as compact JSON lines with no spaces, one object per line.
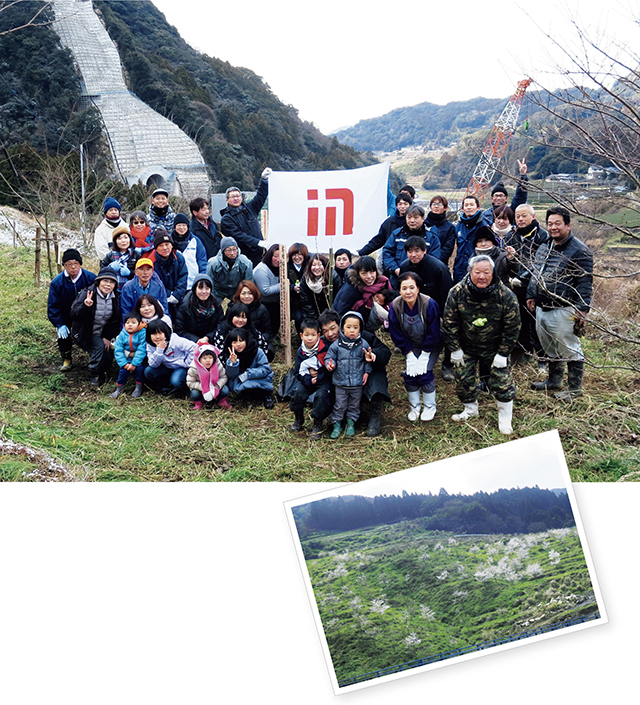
{"x":481,"y":323}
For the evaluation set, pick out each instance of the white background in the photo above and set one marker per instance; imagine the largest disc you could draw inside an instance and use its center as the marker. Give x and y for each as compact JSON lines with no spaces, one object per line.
{"x":192,"y":593}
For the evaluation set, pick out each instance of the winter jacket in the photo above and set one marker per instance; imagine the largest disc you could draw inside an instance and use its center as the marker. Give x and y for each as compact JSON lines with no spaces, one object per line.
{"x":103,"y":237}
{"x":83,"y":318}
{"x":199,"y":320}
{"x":173,"y":272}
{"x":258,"y":376}
{"x":351,"y":364}
{"x":261,"y":319}
{"x":197,"y":373}
{"x":132,"y":291}
{"x":465,"y":231}
{"x":562,"y":275}
{"x":194,"y":253}
{"x":130,"y":348}
{"x":123,"y":264}
{"x":526,"y":245}
{"x":446,"y":232}
{"x":209,"y":236}
{"x":481,"y":322}
{"x":179,"y":353}
{"x":519,"y":197}
{"x":226,"y":279}
{"x":435,"y":276}
{"x":426,"y":309}
{"x":62,"y":293}
{"x":393,"y":252}
{"x":314,"y":304}
{"x":268,"y":283}
{"x":243,"y":226}
{"x":165,"y":221}
{"x":302,"y":355}
{"x":350,"y":295}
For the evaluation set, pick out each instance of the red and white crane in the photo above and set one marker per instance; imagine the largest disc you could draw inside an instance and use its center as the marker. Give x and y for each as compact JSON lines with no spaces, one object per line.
{"x":497,"y":143}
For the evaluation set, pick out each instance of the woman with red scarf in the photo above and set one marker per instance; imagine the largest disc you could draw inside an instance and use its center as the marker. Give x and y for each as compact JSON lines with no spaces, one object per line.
{"x":362,"y":283}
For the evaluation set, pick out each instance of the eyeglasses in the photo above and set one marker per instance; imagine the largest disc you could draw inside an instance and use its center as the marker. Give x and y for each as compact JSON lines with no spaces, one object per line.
{"x":137,"y":222}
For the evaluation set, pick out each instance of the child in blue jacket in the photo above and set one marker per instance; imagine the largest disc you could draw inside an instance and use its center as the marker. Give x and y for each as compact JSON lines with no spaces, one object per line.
{"x":130,"y":350}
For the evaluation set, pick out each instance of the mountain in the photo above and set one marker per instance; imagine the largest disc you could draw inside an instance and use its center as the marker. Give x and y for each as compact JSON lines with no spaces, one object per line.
{"x":238,"y":123}
{"x":425,"y":124}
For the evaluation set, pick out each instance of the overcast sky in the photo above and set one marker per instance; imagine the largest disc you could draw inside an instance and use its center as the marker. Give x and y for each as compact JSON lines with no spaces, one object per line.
{"x":339,"y":62}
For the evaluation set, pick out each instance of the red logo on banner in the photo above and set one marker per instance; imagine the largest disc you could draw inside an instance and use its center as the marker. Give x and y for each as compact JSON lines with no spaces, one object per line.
{"x":331,"y":194}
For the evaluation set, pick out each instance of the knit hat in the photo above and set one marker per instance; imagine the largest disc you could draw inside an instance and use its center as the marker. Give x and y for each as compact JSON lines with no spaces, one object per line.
{"x":106,"y":273}
{"x":71,"y":254}
{"x":484,"y":233}
{"x":161,"y":235}
{"x":499,"y":188}
{"x":227,"y":242}
{"x":180,"y":218}
{"x":110,"y":203}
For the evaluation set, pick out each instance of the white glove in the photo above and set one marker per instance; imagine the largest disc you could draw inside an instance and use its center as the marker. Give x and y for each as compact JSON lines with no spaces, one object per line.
{"x":515,"y":283}
{"x":63,"y":331}
{"x":208,"y":396}
{"x":263,"y":244}
{"x":172,"y":300}
{"x":499,"y":361}
{"x":266,"y":173}
{"x":457,"y":358}
{"x":412,"y":365}
{"x":243,"y":377}
{"x":423,"y":362}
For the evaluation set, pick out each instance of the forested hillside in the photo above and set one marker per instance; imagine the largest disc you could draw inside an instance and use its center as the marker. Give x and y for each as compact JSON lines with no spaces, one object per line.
{"x":423,"y":124}
{"x":239,"y":125}
{"x":504,"y":511}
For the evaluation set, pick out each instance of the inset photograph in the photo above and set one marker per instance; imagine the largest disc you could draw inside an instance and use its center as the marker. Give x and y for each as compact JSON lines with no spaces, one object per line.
{"x":445,"y":562}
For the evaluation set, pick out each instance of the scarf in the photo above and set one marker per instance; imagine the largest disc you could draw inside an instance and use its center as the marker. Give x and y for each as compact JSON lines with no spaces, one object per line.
{"x":529,"y":230}
{"x":160,"y":212}
{"x":368,"y":292}
{"x":140,"y":239}
{"x":314,"y":286}
{"x":349,"y":343}
{"x":208,"y":378}
{"x":436,"y":218}
{"x":310,"y":352}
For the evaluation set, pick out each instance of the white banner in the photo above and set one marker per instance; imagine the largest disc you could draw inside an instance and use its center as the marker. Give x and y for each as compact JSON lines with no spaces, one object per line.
{"x":327,"y":209}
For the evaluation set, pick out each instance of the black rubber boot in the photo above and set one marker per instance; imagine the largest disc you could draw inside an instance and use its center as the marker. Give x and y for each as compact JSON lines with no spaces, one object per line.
{"x":554,"y":381}
{"x":298,"y":423}
{"x":574,"y":378}
{"x":316,"y":431}
{"x":373,"y":429}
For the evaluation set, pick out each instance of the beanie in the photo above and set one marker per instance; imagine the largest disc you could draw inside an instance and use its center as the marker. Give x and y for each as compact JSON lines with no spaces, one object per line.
{"x":499,"y":188}
{"x":70,"y":254}
{"x":227,"y":242}
{"x":160,"y":236}
{"x":110,"y":203}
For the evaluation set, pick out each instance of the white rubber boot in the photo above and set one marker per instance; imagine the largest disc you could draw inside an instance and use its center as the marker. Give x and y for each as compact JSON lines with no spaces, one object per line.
{"x":505,"y":413}
{"x":414,"y":400}
{"x":429,"y":406}
{"x":470,"y":409}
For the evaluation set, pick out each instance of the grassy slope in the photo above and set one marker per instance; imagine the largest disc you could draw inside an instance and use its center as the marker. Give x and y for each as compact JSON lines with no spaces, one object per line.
{"x":163,"y":439}
{"x":433,"y":602}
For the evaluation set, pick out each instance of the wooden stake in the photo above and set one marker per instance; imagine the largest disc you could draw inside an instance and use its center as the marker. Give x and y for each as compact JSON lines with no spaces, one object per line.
{"x":285,"y":311}
{"x":38,"y":250}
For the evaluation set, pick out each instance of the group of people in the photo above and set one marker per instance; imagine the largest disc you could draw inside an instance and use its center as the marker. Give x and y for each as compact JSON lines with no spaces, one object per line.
{"x":491,"y":290}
